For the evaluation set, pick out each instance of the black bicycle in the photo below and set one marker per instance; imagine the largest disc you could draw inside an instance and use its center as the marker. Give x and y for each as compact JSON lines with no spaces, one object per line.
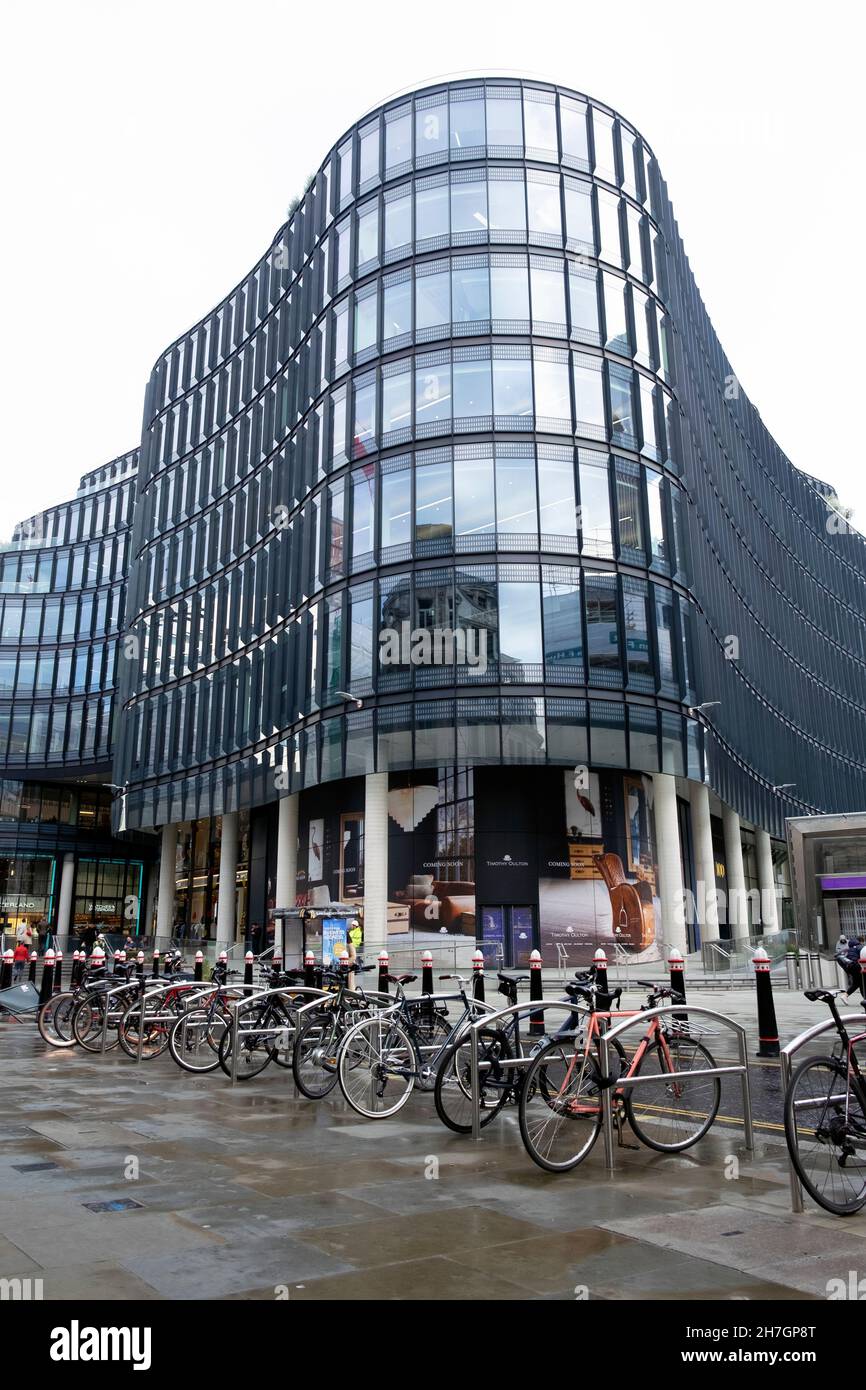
{"x":825,"y":1120}
{"x":324,"y":1025}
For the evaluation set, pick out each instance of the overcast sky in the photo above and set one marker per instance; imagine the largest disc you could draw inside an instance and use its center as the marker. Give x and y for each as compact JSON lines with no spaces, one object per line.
{"x":152,"y":148}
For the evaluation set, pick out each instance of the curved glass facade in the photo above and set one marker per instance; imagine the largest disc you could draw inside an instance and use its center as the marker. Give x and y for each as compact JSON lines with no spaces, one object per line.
{"x":464,"y":446}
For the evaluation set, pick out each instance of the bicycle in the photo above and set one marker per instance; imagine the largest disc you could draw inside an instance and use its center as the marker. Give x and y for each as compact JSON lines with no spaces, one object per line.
{"x":266,"y":1029}
{"x":499,"y":1083}
{"x":317,"y":1041}
{"x":95,"y":1019}
{"x":825,"y":1120}
{"x":399,"y":1048}
{"x":145,"y":1034}
{"x":560,"y":1110}
{"x":54,"y":1018}
{"x":194,"y":1039}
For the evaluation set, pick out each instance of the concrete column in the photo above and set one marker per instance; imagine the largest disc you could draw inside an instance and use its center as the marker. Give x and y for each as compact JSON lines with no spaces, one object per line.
{"x":705,"y":862}
{"x":165,"y":905}
{"x":64,"y":904}
{"x":287,"y":868}
{"x":375,"y":862}
{"x":766,"y":882}
{"x":227,"y":898}
{"x":735,"y":879}
{"x":146,"y":917}
{"x":669,"y":861}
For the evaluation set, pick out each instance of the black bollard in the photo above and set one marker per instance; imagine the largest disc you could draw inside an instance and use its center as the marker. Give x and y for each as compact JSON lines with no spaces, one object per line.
{"x":382,"y":985}
{"x":198,"y":969}
{"x":600,"y":962}
{"x":58,"y":972}
{"x":768,"y":1029}
{"x":6,"y":969}
{"x":536,"y":991}
{"x":863,"y":972}
{"x":309,"y":970}
{"x":47,"y":986}
{"x":139,"y":965}
{"x":249,"y":958}
{"x":156,"y":965}
{"x":478,"y":976}
{"x":33,"y":963}
{"x":426,"y":972}
{"x":677,"y":968}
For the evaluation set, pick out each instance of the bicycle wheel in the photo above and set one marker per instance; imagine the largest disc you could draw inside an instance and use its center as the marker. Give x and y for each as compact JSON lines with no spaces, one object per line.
{"x":314,"y":1059}
{"x":672,"y":1114}
{"x":257,"y":1042}
{"x":54,"y":1020}
{"x":152,"y":1031}
{"x":377,"y":1065}
{"x":194,"y":1040}
{"x":452,"y":1093}
{"x":560,"y":1107}
{"x":826,"y":1132}
{"x":88,"y":1017}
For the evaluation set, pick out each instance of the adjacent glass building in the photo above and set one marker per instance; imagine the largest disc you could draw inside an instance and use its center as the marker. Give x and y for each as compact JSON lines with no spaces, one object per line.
{"x":466,"y":587}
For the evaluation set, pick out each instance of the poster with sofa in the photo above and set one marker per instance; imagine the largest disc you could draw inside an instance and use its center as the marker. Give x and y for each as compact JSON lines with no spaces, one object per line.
{"x":431,"y":864}
{"x":597,"y":882}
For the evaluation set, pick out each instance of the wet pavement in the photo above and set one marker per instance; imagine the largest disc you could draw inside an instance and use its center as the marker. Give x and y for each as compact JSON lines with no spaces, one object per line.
{"x":250,"y":1192}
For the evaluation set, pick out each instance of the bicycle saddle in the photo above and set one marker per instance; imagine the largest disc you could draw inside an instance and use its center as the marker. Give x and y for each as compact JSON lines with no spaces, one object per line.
{"x":511,"y":979}
{"x":402,"y":979}
{"x":813,"y":995}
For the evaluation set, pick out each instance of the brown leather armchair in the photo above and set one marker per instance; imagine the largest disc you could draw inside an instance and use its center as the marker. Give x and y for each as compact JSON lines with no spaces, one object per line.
{"x":631,"y":903}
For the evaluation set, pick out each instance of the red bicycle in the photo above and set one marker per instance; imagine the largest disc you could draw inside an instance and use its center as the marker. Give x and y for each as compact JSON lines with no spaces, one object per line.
{"x":560,"y":1101}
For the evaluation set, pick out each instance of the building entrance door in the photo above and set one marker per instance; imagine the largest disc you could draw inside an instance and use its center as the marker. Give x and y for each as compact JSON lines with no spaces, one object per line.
{"x":512,"y":928}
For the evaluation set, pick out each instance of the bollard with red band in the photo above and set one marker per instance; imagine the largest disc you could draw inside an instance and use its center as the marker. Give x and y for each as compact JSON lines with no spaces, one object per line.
{"x":117,"y":963}
{"x":249,"y":960}
{"x":478,"y":976}
{"x":58,"y":971}
{"x":863,"y":972}
{"x":426,"y":972}
{"x":384,"y":962}
{"x":677,"y":969}
{"x":47,"y":986}
{"x":198,"y":968}
{"x":768,"y":1030}
{"x":156,"y":965}
{"x":536,"y":991}
{"x":139,"y":965}
{"x":6,"y":969}
{"x":309,"y":970}
{"x":34,"y":960}
{"x":599,"y":960}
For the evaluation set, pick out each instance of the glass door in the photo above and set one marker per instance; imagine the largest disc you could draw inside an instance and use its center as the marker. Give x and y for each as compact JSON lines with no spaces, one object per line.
{"x":508,"y":934}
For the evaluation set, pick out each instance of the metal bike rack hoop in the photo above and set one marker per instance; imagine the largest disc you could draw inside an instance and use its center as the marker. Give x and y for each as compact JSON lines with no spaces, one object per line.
{"x":793,"y":1047}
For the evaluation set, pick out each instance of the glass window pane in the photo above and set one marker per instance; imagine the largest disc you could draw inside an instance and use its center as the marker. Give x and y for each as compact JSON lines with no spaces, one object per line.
{"x":614,"y":314}
{"x":595,"y":525}
{"x":602,"y":129}
{"x":431,"y":212}
{"x":545,"y":213}
{"x":556,"y":496}
{"x":469,"y":206}
{"x":398,"y":222}
{"x":548,"y":295}
{"x":432,"y":394}
{"x":520,"y":642}
{"x":512,"y":386}
{"x":516,"y":507}
{"x":366,"y":316}
{"x":622,"y":405}
{"x":433,"y":503}
{"x":539,"y":118}
{"x":664,"y":617}
{"x":509,"y":293}
{"x":396,"y":507}
{"x":431,"y":130}
{"x":397,"y":402}
{"x":398,"y":140}
{"x":432,"y":300}
{"x":588,"y":397}
{"x":608,"y":224}
{"x":572,"y":120}
{"x":552,"y":392}
{"x":368,"y":234}
{"x":363,"y":485}
{"x":364,"y":433}
{"x":472,"y":388}
{"x":637,"y":645}
{"x":578,"y":214}
{"x":504,"y":120}
{"x":507,"y":211}
{"x":361,"y":639}
{"x":563,"y":630}
{"x":583,"y":303}
{"x":467,"y":123}
{"x":655,"y":509}
{"x":602,"y":632}
{"x":368,"y":157}
{"x":473,"y":497}
{"x":397,"y":310}
{"x":470,"y":294}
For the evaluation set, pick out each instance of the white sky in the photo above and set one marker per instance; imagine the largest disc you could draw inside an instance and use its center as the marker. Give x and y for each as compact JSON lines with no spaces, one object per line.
{"x":153,"y":146}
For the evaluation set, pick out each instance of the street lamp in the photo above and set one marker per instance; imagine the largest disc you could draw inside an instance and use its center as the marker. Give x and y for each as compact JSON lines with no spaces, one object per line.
{"x":347,"y":695}
{"x":784,"y":786}
{"x":707,"y":704}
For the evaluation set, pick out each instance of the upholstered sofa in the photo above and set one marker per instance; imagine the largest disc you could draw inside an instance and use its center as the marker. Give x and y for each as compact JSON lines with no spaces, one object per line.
{"x":631,"y":904}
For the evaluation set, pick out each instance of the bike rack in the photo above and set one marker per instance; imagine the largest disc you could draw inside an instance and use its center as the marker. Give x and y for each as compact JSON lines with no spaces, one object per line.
{"x":741,"y":1069}
{"x":640,"y":1016}
{"x":193,"y":989}
{"x":315,"y":994}
{"x":828,"y":1025}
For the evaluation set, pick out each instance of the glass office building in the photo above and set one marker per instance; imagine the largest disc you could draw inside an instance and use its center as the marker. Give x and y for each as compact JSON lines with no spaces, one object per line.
{"x":62,"y":593}
{"x":467,"y":590}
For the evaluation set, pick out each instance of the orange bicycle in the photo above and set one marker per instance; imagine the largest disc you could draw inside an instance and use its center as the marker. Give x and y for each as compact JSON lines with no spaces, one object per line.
{"x":560,"y":1100}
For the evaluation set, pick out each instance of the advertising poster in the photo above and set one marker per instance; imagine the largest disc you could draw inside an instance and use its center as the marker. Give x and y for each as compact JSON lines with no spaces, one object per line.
{"x":334,"y":934}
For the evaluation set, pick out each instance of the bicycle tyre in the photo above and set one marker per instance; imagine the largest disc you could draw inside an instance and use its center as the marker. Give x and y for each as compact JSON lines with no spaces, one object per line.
{"x":546,"y":1110}
{"x":833,"y":1066}
{"x":366,"y":1042}
{"x":54,"y":1019}
{"x":452,"y":1093}
{"x":635,"y":1098}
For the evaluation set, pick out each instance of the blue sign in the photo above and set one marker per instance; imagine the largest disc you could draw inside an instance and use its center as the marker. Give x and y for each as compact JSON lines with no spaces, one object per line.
{"x":334,"y":934}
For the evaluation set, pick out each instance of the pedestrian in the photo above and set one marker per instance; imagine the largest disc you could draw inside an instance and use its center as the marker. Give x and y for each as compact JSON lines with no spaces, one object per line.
{"x":847,"y":954}
{"x":19,"y":961}
{"x":24,"y":935}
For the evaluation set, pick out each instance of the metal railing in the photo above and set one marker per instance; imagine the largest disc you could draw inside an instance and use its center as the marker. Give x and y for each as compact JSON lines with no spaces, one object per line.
{"x":741,"y":1069}
{"x":854,"y":1021}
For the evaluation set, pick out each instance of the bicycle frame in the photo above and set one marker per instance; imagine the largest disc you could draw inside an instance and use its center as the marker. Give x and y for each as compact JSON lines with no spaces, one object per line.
{"x":655,"y":1033}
